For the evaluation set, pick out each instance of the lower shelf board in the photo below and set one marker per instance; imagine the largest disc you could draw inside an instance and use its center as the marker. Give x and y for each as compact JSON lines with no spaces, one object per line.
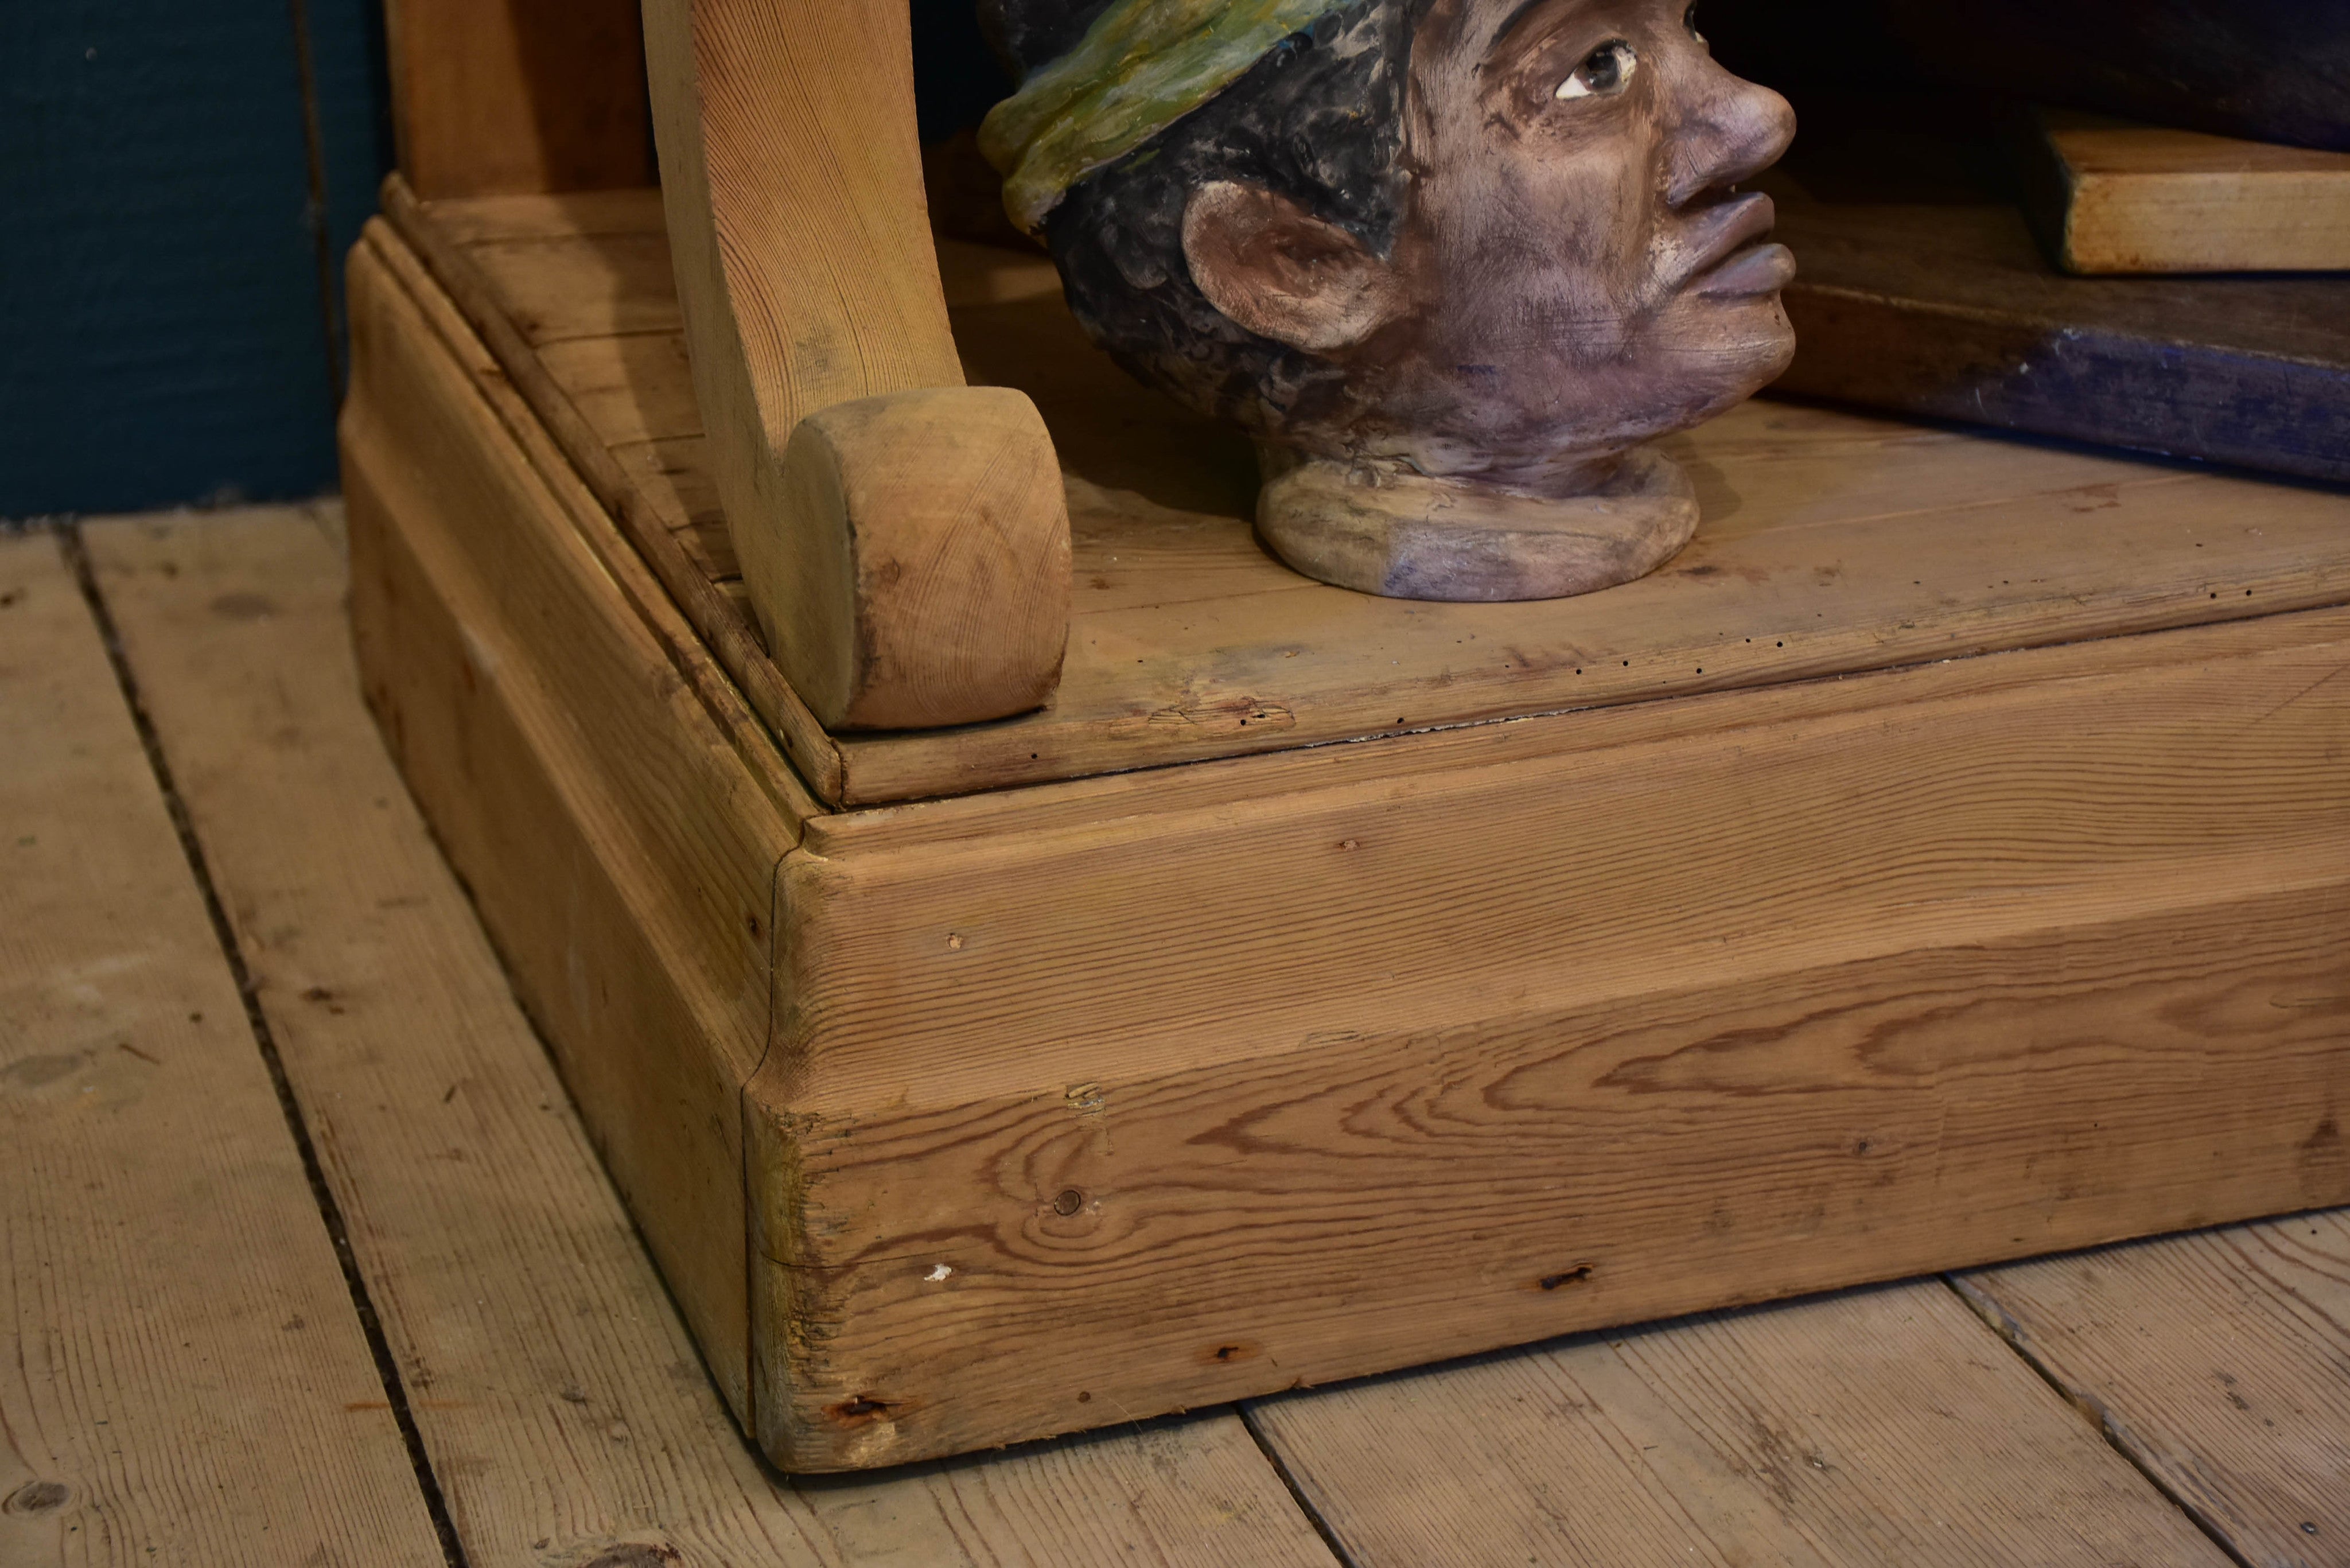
{"x":972,"y":1120}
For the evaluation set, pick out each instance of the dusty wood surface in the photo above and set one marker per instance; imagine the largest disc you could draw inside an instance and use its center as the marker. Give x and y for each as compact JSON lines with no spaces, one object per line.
{"x":509,"y":96}
{"x":1952,"y":312}
{"x":675,"y":558}
{"x":1834,"y":543}
{"x":1866,"y":993}
{"x":2218,"y":1362}
{"x":954,"y":603}
{"x":624,"y":863}
{"x":903,"y":539}
{"x":558,"y":1396}
{"x":181,"y":1376}
{"x":1879,"y":976}
{"x":2113,"y":197}
{"x":1860,"y":1429}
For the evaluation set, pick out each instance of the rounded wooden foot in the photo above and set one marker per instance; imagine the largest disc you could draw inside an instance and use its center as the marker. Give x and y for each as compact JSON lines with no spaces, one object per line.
{"x":1413,"y":538}
{"x":924,"y":579}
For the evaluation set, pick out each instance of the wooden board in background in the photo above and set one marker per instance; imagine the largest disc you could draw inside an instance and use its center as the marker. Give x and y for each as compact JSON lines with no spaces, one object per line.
{"x":1309,"y":1066}
{"x":558,"y":1396}
{"x":183,"y":1377}
{"x":2218,"y":1362}
{"x":1868,"y":997}
{"x":1952,"y":312}
{"x":2111,"y":197}
{"x":1855,"y":1431}
{"x":1834,"y":543}
{"x":497,"y":96}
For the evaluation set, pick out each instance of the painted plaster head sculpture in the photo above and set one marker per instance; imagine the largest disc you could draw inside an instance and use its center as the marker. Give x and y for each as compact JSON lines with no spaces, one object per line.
{"x":1450,"y":262}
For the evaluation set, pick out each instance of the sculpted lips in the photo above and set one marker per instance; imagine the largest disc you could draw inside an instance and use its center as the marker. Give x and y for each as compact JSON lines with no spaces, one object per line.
{"x":1734,"y":257}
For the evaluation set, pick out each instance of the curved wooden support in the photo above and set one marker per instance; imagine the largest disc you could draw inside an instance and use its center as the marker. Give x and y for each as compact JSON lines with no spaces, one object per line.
{"x":908,"y":558}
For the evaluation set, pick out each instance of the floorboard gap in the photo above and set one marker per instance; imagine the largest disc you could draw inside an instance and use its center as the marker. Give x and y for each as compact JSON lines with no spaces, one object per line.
{"x":1997,"y":1320}
{"x":1297,"y":1494}
{"x":329,"y":1211}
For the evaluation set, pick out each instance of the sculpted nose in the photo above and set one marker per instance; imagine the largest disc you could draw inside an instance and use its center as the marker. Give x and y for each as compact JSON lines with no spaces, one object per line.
{"x":1728,"y":130}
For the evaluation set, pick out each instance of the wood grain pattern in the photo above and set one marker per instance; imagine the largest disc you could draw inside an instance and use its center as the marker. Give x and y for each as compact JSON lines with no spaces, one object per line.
{"x":2219,"y":1363}
{"x":723,"y":625}
{"x":2111,"y":197}
{"x":1290,"y":1067}
{"x":1849,"y":991}
{"x":1834,"y":543}
{"x":648,"y":969}
{"x":460,"y":609}
{"x":499,"y":96}
{"x":181,"y":1376}
{"x":793,"y":186}
{"x":559,"y":1396}
{"x":1866,"y":1428}
{"x":954,"y":605}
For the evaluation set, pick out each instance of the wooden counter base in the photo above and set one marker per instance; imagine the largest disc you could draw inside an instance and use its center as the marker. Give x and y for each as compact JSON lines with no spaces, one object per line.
{"x":960,"y":1122}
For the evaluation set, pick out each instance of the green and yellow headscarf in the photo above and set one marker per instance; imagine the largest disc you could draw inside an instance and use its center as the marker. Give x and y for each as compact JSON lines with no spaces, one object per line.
{"x":1141,"y":66}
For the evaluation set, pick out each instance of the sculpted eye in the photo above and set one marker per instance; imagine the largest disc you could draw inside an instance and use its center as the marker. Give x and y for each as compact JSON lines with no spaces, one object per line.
{"x":1603,"y":72}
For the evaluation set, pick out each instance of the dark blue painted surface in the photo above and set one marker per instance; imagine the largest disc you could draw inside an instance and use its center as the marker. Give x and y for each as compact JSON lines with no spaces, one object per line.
{"x":167,"y":328}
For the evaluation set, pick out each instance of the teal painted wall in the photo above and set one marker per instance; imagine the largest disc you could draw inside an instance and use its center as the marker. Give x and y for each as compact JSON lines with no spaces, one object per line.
{"x":178,"y":186}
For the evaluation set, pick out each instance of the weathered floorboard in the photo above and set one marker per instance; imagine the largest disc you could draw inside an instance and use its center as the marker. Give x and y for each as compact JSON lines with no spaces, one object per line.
{"x":1873,"y":1427}
{"x":183,"y":1378}
{"x":557,"y":1392}
{"x":2219,"y":1362}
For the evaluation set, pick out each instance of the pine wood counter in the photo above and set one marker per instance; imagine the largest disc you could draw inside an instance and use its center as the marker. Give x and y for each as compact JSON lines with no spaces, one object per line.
{"x":1946,"y":860}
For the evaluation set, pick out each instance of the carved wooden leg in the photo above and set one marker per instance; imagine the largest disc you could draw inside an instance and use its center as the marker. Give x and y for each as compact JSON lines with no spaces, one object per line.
{"x":908,"y":558}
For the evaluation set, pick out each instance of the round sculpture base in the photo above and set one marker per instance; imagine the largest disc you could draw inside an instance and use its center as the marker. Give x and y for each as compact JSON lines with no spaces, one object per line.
{"x":1408,"y":538}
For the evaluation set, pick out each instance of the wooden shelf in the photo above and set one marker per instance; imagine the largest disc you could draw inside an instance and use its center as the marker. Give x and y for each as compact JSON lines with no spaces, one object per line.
{"x":1990,"y":901}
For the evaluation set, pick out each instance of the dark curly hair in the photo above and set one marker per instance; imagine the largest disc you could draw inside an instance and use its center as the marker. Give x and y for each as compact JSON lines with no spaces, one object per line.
{"x":1319,"y":119}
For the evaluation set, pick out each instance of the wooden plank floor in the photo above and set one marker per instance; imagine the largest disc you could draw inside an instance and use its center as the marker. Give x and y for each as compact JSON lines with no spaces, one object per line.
{"x":2183,"y":1401}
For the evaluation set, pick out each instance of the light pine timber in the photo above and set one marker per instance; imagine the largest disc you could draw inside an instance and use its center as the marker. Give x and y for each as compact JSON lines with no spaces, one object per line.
{"x":903,"y":539}
{"x":724,"y":626}
{"x":2219,"y":1363}
{"x":1872,"y":978}
{"x":183,"y":1378}
{"x":635,"y":907}
{"x":479,"y":599}
{"x":1833,"y":542}
{"x":1871,"y":1428}
{"x":559,"y":1397}
{"x":1951,"y":311}
{"x":513,"y":96}
{"x":2116,"y":197}
{"x":1182,"y":1118}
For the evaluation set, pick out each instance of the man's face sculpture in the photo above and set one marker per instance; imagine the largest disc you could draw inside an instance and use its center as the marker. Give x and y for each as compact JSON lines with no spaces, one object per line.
{"x":1493,"y":243}
{"x":1572,"y":274}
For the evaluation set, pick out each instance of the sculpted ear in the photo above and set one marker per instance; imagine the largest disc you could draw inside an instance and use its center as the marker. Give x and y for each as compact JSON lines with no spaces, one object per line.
{"x":1282,"y":273}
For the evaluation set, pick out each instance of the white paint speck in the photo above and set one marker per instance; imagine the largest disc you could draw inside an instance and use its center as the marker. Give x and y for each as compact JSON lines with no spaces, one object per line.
{"x":938,"y":1273}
